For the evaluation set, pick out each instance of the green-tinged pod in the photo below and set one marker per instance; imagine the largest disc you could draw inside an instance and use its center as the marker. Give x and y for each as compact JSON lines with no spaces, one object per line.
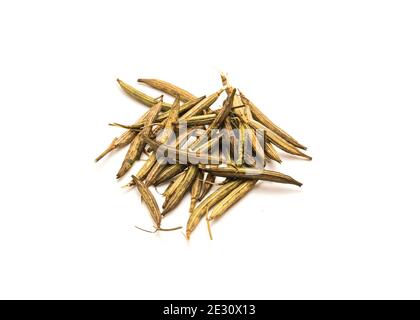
{"x":168,"y":88}
{"x":208,"y":203}
{"x":251,"y":174}
{"x":140,"y":96}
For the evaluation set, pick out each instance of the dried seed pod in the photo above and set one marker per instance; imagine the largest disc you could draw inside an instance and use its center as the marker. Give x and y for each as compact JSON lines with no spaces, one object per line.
{"x":202,"y":105}
{"x":237,"y":194}
{"x":162,"y":116}
{"x":131,"y":155}
{"x":263,"y":119}
{"x":241,"y":144}
{"x":140,"y":96}
{"x":151,"y":204}
{"x":207,"y":185}
{"x":251,"y":137}
{"x":271,"y":152}
{"x":137,"y":146}
{"x":152,"y":160}
{"x":279,"y":141}
{"x":150,"y":201}
{"x":251,"y":174}
{"x":168,"y":88}
{"x":209,"y":202}
{"x":175,"y":198}
{"x":196,"y":189}
{"x":125,"y":139}
{"x":209,"y":145}
{"x":173,"y":186}
{"x":168,"y":173}
{"x":220,"y":118}
{"x":163,"y":138}
{"x":200,"y":120}
{"x":190,"y":157}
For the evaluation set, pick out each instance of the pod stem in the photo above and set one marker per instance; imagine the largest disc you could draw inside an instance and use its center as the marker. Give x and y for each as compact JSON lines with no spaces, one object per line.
{"x":208,"y":224}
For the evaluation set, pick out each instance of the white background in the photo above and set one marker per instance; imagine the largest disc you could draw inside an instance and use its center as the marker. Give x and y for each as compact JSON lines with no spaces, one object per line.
{"x":342,"y":76}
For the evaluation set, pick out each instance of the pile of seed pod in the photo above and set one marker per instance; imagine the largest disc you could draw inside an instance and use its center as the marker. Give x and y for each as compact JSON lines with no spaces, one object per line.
{"x":234,"y":141}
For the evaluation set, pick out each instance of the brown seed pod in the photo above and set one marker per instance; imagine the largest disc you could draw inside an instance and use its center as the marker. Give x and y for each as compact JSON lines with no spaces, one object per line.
{"x":263,"y":119}
{"x":137,"y":146}
{"x":140,"y":96}
{"x":151,"y":204}
{"x":209,"y":202}
{"x":168,"y":88}
{"x":168,"y":173}
{"x":175,"y":198}
{"x":237,"y":194}
{"x":207,"y":185}
{"x":196,"y":189}
{"x":251,"y":174}
{"x":220,"y":118}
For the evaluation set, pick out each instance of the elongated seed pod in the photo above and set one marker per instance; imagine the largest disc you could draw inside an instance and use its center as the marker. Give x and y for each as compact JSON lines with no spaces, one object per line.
{"x":220,"y":118}
{"x":209,"y":202}
{"x":125,"y":139}
{"x":251,"y":137}
{"x":271,"y":152}
{"x":279,"y":141}
{"x":150,"y":201}
{"x":207,"y":147}
{"x":168,"y":173}
{"x":263,"y":119}
{"x":202,"y":105}
{"x":152,"y":160}
{"x":202,"y":119}
{"x":140,"y":96}
{"x":237,"y":194}
{"x":131,"y":155}
{"x":251,"y":174}
{"x":229,"y":135}
{"x":190,"y":157}
{"x":196,"y":188}
{"x":173,"y":186}
{"x":163,"y":138}
{"x":207,"y":185}
{"x":168,"y":88}
{"x":137,"y":146}
{"x":163,"y":115}
{"x":241,"y":144}
{"x":147,"y":166}
{"x":175,"y":198}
